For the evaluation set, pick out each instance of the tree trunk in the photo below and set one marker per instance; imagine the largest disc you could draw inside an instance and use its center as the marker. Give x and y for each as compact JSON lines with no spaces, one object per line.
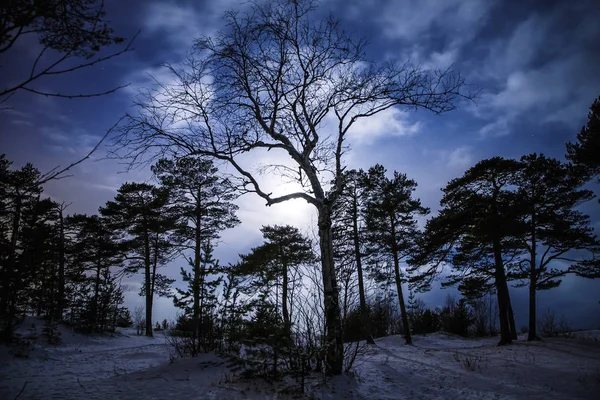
{"x":511,"y":316}
{"x":148,"y":283}
{"x":7,"y":308}
{"x":364,"y":311}
{"x":94,"y":316}
{"x":406,"y":326}
{"x":532,"y":334}
{"x":333,"y":323}
{"x":196,"y":288}
{"x":61,"y":266}
{"x":502,"y":292}
{"x":287,"y":324}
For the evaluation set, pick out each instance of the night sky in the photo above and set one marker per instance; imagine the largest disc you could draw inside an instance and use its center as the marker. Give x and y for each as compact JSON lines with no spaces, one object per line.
{"x":536,"y":62}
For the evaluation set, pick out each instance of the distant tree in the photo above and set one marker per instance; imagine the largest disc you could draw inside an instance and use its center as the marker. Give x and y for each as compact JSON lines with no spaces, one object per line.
{"x":391,"y":225}
{"x":138,"y":319}
{"x":456,"y":316}
{"x":142,"y":215}
{"x":67,"y":30}
{"x":276,"y":77}
{"x":271,"y":266}
{"x":204,"y":201}
{"x":348,"y":237}
{"x":585,"y":151}
{"x":474,"y":235}
{"x":548,"y":194}
{"x":199,"y":299}
{"x":19,"y":193}
{"x":93,"y":252}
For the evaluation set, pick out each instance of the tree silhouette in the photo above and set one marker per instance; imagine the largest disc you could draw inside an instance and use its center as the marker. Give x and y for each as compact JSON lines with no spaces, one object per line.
{"x":204,"y":202}
{"x":548,"y":193}
{"x":67,"y":30}
{"x":391,"y":225}
{"x":270,"y":81}
{"x":141,"y":214}
{"x":474,"y":234}
{"x":585,"y":151}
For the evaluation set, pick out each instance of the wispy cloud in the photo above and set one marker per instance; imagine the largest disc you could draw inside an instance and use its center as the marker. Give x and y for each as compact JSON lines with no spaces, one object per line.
{"x":391,"y":122}
{"x":544,"y":71}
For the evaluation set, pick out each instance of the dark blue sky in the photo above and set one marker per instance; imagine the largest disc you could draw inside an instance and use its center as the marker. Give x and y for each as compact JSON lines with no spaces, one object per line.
{"x":536,"y":63}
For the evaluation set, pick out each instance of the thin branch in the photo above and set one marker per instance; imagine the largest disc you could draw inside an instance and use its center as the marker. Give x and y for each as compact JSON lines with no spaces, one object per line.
{"x":56,"y":173}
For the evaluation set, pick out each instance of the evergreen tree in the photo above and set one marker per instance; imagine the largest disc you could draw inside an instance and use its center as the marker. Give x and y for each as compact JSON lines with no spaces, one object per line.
{"x":145,"y":220}
{"x":199,"y":300}
{"x":474,"y":234}
{"x":19,"y":193}
{"x":272,"y":263}
{"x":585,"y":151}
{"x":348,"y":232}
{"x":94,"y":250}
{"x":552,"y":228}
{"x":204,"y":202}
{"x":390,"y":215}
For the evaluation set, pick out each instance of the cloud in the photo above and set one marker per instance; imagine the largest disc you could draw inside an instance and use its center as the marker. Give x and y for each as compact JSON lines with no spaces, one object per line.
{"x":416,"y":19}
{"x":544,"y":71}
{"x":182,"y":23}
{"x":461,"y":157}
{"x":391,"y":122}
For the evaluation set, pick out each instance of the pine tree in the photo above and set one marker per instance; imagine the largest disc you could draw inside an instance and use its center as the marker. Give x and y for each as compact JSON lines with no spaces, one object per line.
{"x":19,"y":193}
{"x":585,"y":151}
{"x":204,"y":201}
{"x":269,"y":270}
{"x":475,"y":233}
{"x":348,"y":232}
{"x":390,"y":216}
{"x":199,"y":300}
{"x":143,"y":216}
{"x":552,"y":228}
{"x":94,"y":250}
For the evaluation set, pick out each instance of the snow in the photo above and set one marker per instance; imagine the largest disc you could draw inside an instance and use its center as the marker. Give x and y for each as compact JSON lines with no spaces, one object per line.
{"x":437,"y":366}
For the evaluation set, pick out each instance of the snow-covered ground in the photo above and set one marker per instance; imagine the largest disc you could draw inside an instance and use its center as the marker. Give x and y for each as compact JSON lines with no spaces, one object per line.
{"x":438,"y":366}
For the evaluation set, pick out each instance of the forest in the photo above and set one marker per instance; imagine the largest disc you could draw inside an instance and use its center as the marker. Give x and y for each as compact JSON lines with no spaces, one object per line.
{"x":503,"y":223}
{"x":301,"y":300}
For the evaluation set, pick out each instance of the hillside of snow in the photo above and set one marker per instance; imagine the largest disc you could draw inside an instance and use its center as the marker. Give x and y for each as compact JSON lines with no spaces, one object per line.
{"x":438,"y":366}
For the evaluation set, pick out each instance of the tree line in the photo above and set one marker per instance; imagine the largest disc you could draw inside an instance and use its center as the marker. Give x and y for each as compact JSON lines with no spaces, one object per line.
{"x":272,"y":80}
{"x":503,"y":222}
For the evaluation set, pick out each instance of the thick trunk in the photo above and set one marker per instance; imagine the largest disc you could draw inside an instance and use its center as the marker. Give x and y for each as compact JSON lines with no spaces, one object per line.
{"x":502,"y":292}
{"x":364,"y":311}
{"x":333,"y":323}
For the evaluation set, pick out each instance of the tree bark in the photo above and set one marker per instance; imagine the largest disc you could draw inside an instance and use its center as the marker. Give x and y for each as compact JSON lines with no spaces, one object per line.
{"x":94,"y":316}
{"x":196,"y":288}
{"x":147,"y":280}
{"x":502,"y":293}
{"x":532,"y":334}
{"x":8,"y":305}
{"x":61,"y":266}
{"x":364,"y":311}
{"x":333,"y":323}
{"x":287,"y":323}
{"x":405,"y":324}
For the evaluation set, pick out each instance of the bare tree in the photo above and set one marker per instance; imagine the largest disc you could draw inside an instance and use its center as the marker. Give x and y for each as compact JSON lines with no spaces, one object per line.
{"x":279,"y":79}
{"x":71,"y":34}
